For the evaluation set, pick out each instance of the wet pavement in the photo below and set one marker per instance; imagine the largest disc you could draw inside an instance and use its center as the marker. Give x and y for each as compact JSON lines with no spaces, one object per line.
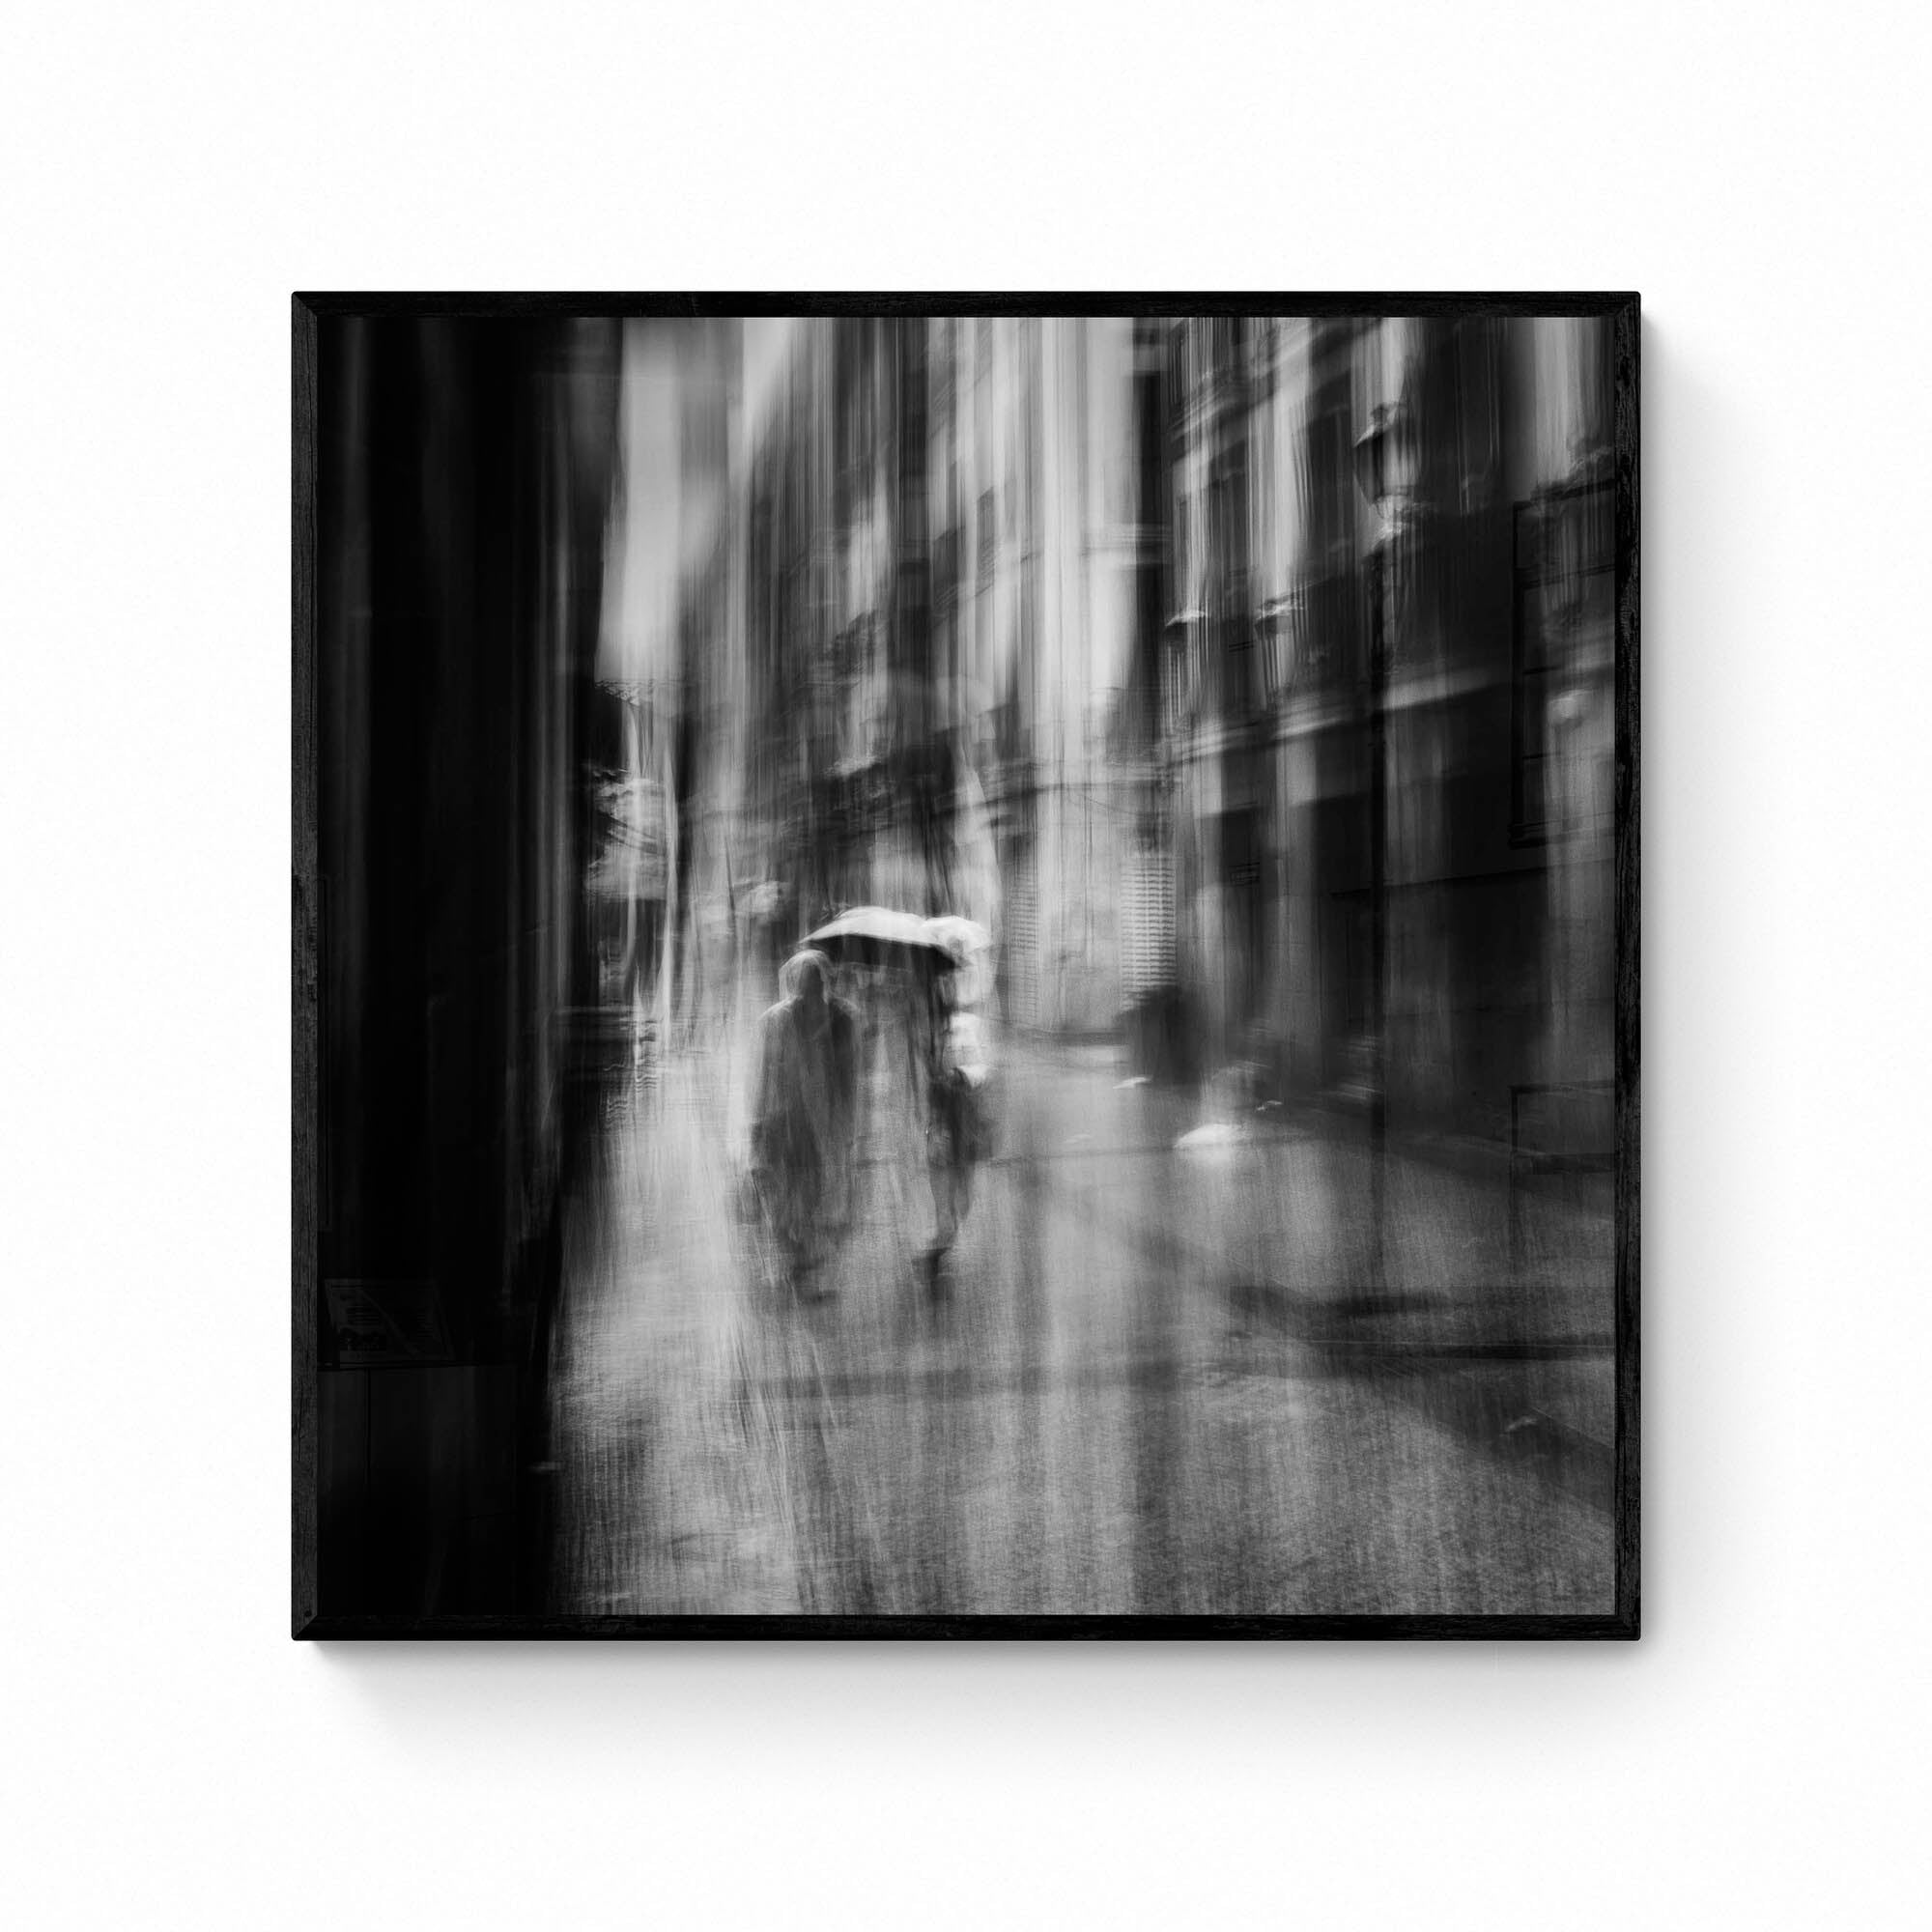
{"x":1153,"y":1378}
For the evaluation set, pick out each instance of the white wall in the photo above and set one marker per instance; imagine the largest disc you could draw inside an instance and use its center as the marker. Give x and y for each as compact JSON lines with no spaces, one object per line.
{"x":170,"y":1758}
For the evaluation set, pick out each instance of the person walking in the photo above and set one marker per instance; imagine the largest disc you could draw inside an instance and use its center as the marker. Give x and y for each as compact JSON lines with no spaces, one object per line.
{"x":958,"y":1121}
{"x":804,"y":1116}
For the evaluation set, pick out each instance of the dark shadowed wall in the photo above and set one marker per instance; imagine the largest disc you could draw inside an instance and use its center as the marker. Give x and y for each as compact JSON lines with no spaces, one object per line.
{"x":465,"y":478}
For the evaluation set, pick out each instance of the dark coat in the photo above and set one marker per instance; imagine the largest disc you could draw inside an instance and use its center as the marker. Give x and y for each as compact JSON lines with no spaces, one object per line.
{"x":805,"y":1108}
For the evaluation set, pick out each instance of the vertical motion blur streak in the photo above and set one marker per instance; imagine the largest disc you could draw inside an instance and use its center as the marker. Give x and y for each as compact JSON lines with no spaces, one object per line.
{"x":969,"y":966}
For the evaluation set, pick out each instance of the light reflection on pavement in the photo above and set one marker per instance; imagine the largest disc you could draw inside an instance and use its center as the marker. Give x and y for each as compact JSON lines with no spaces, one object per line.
{"x":1153,"y":1381}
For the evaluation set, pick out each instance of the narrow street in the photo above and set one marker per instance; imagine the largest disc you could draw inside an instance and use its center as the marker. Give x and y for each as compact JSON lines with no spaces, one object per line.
{"x":1152,"y":1379}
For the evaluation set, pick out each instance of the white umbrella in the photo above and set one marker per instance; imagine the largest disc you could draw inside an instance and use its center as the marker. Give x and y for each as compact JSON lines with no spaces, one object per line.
{"x":876,"y":936}
{"x":969,"y":946}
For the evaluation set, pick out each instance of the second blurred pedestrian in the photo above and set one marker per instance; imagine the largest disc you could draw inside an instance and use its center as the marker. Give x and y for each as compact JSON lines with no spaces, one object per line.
{"x":804,"y":1117}
{"x":958,"y":1122}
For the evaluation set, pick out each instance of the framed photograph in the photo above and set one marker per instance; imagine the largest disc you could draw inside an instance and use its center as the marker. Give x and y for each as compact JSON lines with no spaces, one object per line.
{"x":966,"y":966}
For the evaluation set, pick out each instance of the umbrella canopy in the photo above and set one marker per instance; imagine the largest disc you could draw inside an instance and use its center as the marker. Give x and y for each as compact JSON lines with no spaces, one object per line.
{"x":968,"y":947}
{"x":960,"y":937}
{"x":876,"y":936}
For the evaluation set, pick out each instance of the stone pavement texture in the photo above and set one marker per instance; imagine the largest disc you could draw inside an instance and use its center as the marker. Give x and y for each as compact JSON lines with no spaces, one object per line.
{"x":1153,"y":1378}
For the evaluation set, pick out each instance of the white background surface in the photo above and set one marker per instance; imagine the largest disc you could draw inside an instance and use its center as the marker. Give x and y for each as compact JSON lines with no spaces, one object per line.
{"x":168,"y":175}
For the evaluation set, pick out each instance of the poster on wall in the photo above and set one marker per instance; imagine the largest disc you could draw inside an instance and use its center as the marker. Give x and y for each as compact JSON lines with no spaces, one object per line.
{"x":963,"y":970}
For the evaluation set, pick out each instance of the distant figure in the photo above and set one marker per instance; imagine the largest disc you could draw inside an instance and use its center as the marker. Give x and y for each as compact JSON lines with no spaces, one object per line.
{"x":762,"y":908}
{"x":804,"y":1113}
{"x":959,"y":1129}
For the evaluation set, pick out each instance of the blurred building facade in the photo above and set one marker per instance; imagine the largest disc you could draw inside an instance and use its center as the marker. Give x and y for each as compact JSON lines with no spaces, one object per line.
{"x":1385,"y":716}
{"x":937,"y":562}
{"x":1250,"y":678}
{"x":670,"y":663}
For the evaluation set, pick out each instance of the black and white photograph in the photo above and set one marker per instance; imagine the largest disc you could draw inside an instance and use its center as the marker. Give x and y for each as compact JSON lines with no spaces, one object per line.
{"x":960,"y":965}
{"x":964,"y":968}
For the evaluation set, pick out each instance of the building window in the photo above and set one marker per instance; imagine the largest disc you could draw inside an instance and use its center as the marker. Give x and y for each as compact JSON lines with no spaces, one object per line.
{"x":1562,"y":647}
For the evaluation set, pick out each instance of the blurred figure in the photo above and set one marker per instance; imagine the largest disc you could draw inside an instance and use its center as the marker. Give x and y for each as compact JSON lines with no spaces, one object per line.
{"x":804,"y":1115}
{"x":959,"y":1123}
{"x":763,"y":908}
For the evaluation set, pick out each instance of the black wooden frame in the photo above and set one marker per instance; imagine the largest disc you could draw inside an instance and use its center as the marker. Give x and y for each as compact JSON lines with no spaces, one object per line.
{"x":308,"y":1142}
